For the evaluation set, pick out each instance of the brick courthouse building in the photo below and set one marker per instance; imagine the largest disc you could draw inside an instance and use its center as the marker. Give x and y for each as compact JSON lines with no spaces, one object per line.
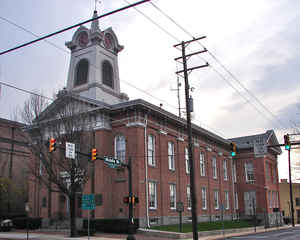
{"x":156,"y":141}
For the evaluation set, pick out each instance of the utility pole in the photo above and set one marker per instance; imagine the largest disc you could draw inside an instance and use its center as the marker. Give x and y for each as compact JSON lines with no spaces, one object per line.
{"x":185,"y":70}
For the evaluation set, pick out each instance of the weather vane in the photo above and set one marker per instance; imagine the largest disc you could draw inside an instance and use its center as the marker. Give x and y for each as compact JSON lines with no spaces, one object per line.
{"x":97,"y":1}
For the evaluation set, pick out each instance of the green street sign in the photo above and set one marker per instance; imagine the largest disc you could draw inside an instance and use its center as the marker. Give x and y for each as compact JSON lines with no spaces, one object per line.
{"x":88,"y":202}
{"x":112,"y":162}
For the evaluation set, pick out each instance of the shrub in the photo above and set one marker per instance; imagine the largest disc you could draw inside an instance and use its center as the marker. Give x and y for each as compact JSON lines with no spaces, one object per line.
{"x":33,"y":223}
{"x":110,"y":225}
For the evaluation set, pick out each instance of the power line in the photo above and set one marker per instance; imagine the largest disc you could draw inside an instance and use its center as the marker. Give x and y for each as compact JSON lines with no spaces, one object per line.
{"x":65,"y":51}
{"x":26,"y":91}
{"x":221,"y":64}
{"x":71,"y":27}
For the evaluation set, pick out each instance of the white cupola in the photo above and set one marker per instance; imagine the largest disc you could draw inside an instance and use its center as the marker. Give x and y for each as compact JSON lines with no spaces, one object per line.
{"x":94,"y":71}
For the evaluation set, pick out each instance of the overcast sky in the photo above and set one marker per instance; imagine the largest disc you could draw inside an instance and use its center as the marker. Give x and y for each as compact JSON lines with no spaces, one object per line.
{"x":257,"y":41}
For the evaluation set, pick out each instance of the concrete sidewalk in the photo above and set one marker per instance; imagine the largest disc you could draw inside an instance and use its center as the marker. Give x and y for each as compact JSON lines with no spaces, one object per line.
{"x":54,"y":235}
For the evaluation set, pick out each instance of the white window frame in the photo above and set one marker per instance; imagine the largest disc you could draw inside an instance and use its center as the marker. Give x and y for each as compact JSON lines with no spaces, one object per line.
{"x":172,"y":196}
{"x":151,"y":150}
{"x":248,"y":202}
{"x":236,"y":200}
{"x":216,"y":199}
{"x":203,"y":198}
{"x":120,"y":148}
{"x":227,"y":206}
{"x":171,"y":156}
{"x":187,"y":160}
{"x":270,"y":199}
{"x":188,"y":197}
{"x":214,"y":168}
{"x":234,"y":171}
{"x":202,"y":164}
{"x":225,"y":168}
{"x":152,"y":195}
{"x":249,"y":172}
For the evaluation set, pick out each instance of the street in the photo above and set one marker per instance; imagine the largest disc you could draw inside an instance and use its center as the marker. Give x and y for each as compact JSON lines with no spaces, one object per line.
{"x":284,"y":234}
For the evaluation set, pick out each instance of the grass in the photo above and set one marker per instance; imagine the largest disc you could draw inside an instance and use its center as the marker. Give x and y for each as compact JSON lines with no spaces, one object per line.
{"x":203,"y":226}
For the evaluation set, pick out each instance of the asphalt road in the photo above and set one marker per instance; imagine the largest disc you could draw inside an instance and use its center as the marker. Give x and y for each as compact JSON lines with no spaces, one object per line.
{"x":284,"y":234}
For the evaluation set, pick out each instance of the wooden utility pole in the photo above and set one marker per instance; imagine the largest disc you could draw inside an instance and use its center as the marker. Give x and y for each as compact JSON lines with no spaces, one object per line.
{"x":185,"y":71}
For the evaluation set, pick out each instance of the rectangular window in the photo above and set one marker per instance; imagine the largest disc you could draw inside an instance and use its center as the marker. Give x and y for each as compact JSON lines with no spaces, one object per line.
{"x":188,"y":197}
{"x":172,"y":196}
{"x":202,"y":164}
{"x":274,"y":174}
{"x":187,"y":160}
{"x":250,"y":202}
{"x":268,"y":172}
{"x":225,"y":169}
{"x":249,"y":172}
{"x":120,"y":148}
{"x":152,"y":195}
{"x":270,"y":199}
{"x":226,"y":200}
{"x":151,"y":150}
{"x":171,"y":156}
{"x":203,"y":198}
{"x":236,"y":201}
{"x":234,"y":171}
{"x":214,"y":167}
{"x":216,"y":199}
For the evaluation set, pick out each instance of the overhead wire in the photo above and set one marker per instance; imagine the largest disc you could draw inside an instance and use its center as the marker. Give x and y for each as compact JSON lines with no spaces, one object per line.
{"x":221,"y":64}
{"x":126,"y":82}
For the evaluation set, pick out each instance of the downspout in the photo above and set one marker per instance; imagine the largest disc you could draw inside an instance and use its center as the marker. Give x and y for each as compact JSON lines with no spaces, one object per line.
{"x":146,"y":172}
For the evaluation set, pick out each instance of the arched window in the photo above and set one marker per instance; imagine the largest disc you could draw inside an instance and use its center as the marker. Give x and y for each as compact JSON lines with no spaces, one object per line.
{"x":82,"y":70}
{"x":107,"y":74}
{"x":120,"y":148}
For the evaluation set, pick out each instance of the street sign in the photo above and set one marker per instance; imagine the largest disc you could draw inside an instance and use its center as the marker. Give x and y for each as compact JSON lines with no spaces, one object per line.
{"x":179,"y":207}
{"x":88,"y":202}
{"x":112,"y":162}
{"x":70,"y":150}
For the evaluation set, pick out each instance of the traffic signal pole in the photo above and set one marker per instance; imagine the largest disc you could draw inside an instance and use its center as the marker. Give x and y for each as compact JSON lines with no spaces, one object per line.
{"x":130,"y":205}
{"x":291,"y":188}
{"x":189,"y":129}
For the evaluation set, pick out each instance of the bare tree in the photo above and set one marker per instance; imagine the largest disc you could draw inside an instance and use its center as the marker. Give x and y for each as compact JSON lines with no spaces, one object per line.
{"x":66,"y":120}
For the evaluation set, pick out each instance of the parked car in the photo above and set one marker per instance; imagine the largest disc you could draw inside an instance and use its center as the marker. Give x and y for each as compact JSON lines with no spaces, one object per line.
{"x":6,"y":225}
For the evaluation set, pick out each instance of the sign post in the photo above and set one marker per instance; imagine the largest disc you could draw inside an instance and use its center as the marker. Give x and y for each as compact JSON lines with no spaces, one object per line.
{"x":88,"y":203}
{"x":180,"y":209}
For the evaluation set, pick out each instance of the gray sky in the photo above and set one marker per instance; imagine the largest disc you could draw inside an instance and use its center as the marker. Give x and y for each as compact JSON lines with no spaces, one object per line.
{"x":257,"y":40}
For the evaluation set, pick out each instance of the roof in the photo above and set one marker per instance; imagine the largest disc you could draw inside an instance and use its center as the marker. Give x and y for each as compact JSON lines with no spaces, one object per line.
{"x":267,"y":138}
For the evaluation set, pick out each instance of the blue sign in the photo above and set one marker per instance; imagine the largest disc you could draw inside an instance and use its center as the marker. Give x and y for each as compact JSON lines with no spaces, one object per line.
{"x":88,"y":202}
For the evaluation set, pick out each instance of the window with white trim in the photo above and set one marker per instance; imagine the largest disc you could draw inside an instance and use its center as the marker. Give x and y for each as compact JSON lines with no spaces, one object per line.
{"x":171,"y":156}
{"x":225,"y":169}
{"x":214,"y":167}
{"x":202,"y":164}
{"x":120,"y":148}
{"x":203,"y":198}
{"x":249,"y":172}
{"x":187,"y":160}
{"x":151,"y":150}
{"x":236,"y":201}
{"x":250,"y":202}
{"x":188,"y":197}
{"x":226,"y":200}
{"x":172,"y":196}
{"x":270,"y":199}
{"x":216,"y":199}
{"x":152,"y":195}
{"x":234,"y":171}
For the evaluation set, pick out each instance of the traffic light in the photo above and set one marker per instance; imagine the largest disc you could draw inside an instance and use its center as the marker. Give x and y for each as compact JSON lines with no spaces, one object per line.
{"x":52,"y":145}
{"x":94,"y":154}
{"x":132,"y":200}
{"x":287,"y":143}
{"x":233,"y":149}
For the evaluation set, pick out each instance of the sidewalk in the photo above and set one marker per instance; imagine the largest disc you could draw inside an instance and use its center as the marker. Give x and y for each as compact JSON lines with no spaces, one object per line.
{"x":55,"y":235}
